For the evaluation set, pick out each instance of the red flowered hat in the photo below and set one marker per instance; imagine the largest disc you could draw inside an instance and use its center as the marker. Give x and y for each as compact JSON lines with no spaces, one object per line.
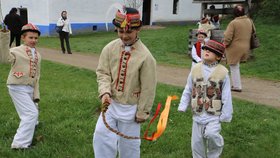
{"x":215,"y":47}
{"x":129,"y":18}
{"x":30,"y":27}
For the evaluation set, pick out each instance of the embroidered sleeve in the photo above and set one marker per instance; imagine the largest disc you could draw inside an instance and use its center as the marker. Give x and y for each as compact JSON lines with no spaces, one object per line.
{"x":103,"y":73}
{"x":148,"y":87}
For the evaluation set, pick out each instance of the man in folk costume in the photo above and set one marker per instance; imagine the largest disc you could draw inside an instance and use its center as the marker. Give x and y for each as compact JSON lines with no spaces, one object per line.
{"x":23,"y":85}
{"x":208,"y":91}
{"x":197,"y":47}
{"x":126,"y":76}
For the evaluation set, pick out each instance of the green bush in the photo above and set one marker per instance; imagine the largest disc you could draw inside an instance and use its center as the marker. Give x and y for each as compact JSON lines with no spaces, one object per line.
{"x":267,"y":8}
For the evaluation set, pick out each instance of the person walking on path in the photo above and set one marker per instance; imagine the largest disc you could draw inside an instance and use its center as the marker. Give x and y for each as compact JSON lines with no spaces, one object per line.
{"x":237,"y":41}
{"x":23,"y":85}
{"x":208,"y":92}
{"x":64,"y":34}
{"x":14,"y":23}
{"x":126,"y":76}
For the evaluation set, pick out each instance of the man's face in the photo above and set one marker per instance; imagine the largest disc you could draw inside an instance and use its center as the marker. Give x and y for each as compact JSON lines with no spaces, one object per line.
{"x":128,"y":37}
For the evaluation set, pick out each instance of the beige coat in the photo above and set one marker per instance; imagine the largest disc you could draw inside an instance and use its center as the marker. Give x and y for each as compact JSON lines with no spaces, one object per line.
{"x":130,"y":78}
{"x":24,"y":69}
{"x":237,"y":39}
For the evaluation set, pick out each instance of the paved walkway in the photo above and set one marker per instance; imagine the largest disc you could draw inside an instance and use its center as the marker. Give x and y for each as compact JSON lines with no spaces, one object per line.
{"x":254,"y":90}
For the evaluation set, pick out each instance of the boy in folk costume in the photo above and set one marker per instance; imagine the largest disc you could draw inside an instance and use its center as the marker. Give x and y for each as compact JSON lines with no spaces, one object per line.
{"x":208,"y":91}
{"x":23,"y":85}
{"x":197,"y":47}
{"x":126,"y":76}
{"x":206,"y":26}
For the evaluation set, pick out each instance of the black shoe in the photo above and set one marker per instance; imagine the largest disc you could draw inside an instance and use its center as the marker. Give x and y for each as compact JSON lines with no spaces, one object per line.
{"x":69,"y":53}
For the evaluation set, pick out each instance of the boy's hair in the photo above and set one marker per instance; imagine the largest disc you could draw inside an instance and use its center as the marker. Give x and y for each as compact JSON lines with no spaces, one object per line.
{"x":30,"y":28}
{"x":129,"y":18}
{"x":215,"y":47}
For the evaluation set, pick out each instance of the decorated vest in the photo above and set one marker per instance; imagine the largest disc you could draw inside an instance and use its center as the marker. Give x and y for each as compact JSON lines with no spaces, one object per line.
{"x":207,"y":94}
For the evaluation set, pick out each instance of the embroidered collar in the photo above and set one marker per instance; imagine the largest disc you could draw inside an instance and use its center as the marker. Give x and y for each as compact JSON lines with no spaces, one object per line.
{"x":212,"y":64}
{"x":129,"y":47}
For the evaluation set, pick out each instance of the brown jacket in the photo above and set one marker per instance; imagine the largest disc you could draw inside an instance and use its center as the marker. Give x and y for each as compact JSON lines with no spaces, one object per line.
{"x":237,"y":39}
{"x":24,"y":69}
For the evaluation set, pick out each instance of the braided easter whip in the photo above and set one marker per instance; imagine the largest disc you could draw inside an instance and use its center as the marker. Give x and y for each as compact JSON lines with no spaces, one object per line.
{"x":105,"y":106}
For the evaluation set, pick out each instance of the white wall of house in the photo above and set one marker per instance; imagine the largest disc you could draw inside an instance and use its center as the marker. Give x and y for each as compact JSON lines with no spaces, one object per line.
{"x":38,"y":10}
{"x":162,"y":11}
{"x":87,"y":15}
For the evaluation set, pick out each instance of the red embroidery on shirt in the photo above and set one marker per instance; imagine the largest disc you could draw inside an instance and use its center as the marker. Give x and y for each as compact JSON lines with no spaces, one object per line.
{"x":122,"y":71}
{"x":18,"y":74}
{"x":33,"y":62}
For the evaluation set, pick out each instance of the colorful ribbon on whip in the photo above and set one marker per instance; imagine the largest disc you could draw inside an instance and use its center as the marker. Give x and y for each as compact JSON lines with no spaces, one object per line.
{"x":161,"y":126}
{"x":162,"y":122}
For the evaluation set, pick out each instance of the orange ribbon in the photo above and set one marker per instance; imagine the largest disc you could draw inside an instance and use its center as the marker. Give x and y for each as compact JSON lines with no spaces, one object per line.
{"x":161,"y":126}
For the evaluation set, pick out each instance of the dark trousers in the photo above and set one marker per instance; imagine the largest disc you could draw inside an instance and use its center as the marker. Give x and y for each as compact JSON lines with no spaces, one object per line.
{"x":13,"y":36}
{"x":64,"y":36}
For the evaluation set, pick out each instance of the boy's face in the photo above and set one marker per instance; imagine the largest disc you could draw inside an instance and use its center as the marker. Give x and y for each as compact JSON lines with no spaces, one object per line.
{"x":128,"y":37}
{"x":30,"y":39}
{"x":210,"y":57}
{"x":200,"y":38}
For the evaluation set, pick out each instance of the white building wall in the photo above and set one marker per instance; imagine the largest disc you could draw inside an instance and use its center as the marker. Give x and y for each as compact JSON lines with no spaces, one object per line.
{"x":162,"y":11}
{"x":38,"y":11}
{"x":85,"y":15}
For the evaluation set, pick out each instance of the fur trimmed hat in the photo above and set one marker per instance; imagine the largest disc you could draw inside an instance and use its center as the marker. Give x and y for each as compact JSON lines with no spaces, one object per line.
{"x":128,"y":19}
{"x":30,"y":27}
{"x":201,"y":32}
{"x":215,"y":47}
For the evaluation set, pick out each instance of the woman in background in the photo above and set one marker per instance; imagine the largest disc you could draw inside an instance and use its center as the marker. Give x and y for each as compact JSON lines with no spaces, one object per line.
{"x":66,"y":30}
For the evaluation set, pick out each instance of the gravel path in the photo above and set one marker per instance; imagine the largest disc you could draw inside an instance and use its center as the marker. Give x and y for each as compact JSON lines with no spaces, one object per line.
{"x":254,"y":89}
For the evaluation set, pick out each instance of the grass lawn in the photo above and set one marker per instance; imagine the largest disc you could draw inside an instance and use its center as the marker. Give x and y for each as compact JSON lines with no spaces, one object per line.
{"x":169,"y":47}
{"x":68,"y":115}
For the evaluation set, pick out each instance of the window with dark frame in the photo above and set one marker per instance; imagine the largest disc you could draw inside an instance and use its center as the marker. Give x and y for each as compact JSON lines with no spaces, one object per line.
{"x":175,"y":6}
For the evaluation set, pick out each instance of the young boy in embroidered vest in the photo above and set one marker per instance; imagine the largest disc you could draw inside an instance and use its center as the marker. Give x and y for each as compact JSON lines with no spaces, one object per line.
{"x":197,"y":47}
{"x":126,"y":76}
{"x":208,"y":92}
{"x":23,"y":85}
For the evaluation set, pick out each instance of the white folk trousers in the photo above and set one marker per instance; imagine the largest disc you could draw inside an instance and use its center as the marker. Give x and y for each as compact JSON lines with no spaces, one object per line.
{"x":235,"y":76}
{"x":107,"y":144}
{"x":28,"y":113}
{"x":206,"y":140}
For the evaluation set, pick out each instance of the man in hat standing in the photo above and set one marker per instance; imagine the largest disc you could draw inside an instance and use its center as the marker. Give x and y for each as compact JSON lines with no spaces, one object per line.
{"x":126,"y":76}
{"x":208,"y":92}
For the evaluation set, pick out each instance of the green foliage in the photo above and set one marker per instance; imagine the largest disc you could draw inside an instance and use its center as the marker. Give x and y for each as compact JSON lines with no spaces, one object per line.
{"x":270,"y":8}
{"x":69,"y":110}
